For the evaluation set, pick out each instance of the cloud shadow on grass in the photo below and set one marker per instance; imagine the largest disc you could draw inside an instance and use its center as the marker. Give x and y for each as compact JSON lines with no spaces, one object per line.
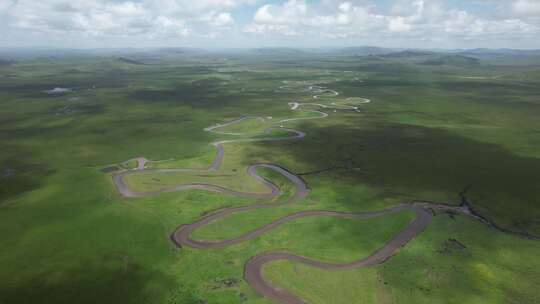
{"x":93,"y":283}
{"x":416,"y":161}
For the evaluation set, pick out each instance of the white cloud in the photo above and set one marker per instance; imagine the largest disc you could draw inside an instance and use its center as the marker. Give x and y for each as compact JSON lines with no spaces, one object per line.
{"x":6,"y":4}
{"x":292,"y":11}
{"x":170,"y":27}
{"x":261,"y":29}
{"x":190,"y":6}
{"x":351,"y":20}
{"x":218,"y":19}
{"x":123,"y":18}
{"x":398,"y":24}
{"x":527,"y":7}
{"x":406,"y":18}
{"x":297,"y":12}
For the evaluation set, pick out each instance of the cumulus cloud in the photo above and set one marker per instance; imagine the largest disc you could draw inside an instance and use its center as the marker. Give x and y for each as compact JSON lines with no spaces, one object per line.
{"x":332,"y":21}
{"x":302,"y":16}
{"x":190,"y":6}
{"x":107,"y":17}
{"x":351,"y":20}
{"x":262,"y":29}
{"x":218,"y":18}
{"x":171,"y":27}
{"x":399,"y":24}
{"x":417,"y":19}
{"x":292,"y":11}
{"x":527,"y":7}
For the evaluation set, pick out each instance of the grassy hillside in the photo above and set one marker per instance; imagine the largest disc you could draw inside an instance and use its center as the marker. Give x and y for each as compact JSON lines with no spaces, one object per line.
{"x":439,"y":133}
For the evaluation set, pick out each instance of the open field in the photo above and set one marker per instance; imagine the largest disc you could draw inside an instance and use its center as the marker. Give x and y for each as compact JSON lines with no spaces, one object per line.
{"x":447,"y":134}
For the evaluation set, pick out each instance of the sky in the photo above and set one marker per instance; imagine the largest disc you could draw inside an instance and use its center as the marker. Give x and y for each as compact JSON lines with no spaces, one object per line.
{"x":270,"y":23}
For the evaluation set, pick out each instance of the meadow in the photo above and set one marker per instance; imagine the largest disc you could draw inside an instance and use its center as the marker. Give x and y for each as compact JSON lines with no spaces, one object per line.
{"x":438,"y":131}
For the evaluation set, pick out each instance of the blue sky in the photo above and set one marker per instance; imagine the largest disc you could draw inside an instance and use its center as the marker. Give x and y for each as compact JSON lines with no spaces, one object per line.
{"x":271,"y":23}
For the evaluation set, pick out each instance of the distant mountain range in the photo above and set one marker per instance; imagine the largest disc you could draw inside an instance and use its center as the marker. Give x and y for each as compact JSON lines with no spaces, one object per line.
{"x":129,"y":55}
{"x":6,"y":62}
{"x":130,"y":61}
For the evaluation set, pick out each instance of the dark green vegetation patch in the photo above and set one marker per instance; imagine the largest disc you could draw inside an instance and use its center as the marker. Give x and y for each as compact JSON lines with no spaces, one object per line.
{"x":440,"y":127}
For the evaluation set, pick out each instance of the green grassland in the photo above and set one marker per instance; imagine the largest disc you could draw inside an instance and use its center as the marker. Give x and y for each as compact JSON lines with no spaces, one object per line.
{"x":431,"y":132}
{"x":246,"y":127}
{"x":474,"y":265}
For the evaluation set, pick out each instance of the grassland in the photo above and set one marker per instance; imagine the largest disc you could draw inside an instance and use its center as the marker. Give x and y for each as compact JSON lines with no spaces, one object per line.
{"x":429,"y":133}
